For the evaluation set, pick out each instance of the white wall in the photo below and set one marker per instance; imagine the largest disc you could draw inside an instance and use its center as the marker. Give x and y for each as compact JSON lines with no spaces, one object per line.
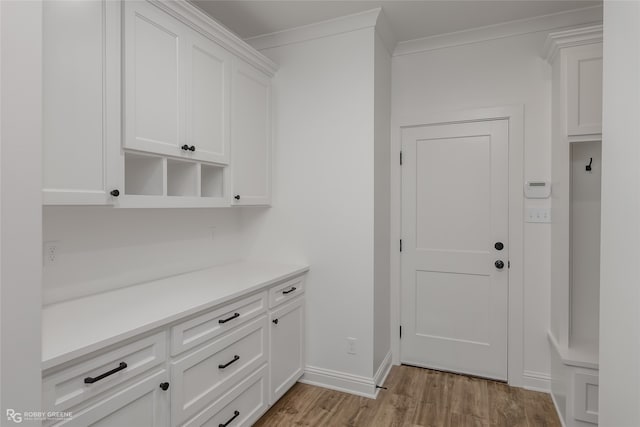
{"x":323,"y":191}
{"x":382,"y":213}
{"x":104,"y":248}
{"x":620,"y":228}
{"x":507,"y":71}
{"x":20,"y":206}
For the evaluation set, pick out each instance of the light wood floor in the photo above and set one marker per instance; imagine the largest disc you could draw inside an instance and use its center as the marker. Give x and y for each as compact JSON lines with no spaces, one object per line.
{"x":416,"y":397}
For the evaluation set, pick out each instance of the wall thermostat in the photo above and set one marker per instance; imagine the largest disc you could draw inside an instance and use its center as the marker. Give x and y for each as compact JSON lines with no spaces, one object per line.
{"x":537,"y":189}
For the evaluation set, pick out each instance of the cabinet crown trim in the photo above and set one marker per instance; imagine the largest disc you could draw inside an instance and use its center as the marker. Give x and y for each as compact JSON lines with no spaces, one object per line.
{"x":570,"y":38}
{"x":207,"y":26}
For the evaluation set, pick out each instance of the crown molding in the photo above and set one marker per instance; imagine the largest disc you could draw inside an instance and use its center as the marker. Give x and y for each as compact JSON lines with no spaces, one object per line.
{"x":572,"y":18}
{"x":357,"y":21}
{"x":570,"y":38}
{"x":195,"y":18}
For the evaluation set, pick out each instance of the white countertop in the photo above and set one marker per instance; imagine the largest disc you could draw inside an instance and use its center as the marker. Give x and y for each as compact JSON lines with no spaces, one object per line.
{"x":77,"y":327}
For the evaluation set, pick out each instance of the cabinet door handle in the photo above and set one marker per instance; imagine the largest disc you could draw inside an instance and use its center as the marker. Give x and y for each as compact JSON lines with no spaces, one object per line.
{"x":275,"y":321}
{"x":293,"y":288}
{"x":115,"y":193}
{"x":192,"y":148}
{"x":236,"y":414}
{"x":185,"y":147}
{"x":91,"y":380}
{"x":164,"y":386}
{"x":234,"y":360}
{"x":235,"y":315}
{"x":237,"y":197}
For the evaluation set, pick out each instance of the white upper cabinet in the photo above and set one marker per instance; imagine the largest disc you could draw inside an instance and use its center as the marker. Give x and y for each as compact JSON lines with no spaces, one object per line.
{"x":208,"y":99}
{"x":81,"y":101}
{"x":177,"y":85}
{"x":153,"y":80}
{"x":251,"y":135}
{"x":584,"y":89}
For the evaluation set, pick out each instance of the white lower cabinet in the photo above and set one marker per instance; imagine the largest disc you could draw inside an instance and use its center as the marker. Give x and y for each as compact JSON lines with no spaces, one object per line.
{"x":142,"y":404}
{"x":221,"y":367}
{"x":287,"y":347}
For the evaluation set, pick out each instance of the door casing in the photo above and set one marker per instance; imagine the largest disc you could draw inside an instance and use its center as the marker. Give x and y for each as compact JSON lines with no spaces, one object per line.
{"x":515,"y":116}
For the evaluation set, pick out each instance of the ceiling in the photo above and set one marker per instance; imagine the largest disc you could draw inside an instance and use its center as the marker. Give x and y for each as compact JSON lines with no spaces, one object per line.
{"x":409,"y":19}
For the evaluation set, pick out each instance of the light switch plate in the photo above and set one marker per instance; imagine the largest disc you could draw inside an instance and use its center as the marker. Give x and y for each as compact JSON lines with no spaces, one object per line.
{"x":538,"y":215}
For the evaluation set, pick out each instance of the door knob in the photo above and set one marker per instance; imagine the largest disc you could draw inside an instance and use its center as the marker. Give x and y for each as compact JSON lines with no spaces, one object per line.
{"x":499,"y":246}
{"x":499,"y":264}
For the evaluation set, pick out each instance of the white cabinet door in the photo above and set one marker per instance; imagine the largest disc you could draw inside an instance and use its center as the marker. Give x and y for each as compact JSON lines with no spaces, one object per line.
{"x":584,"y":89}
{"x":153,"y":79}
{"x":208,"y":99}
{"x":81,"y":101}
{"x":287,"y":348}
{"x":143,"y":404}
{"x":251,"y":136}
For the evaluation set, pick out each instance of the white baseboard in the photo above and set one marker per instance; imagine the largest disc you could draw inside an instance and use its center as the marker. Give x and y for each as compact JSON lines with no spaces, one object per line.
{"x":348,"y":383}
{"x":555,"y":405}
{"x":384,"y":369}
{"x":339,"y":381}
{"x":536,"y":381}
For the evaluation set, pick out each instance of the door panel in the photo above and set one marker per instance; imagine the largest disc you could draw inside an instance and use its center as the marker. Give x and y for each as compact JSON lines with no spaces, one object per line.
{"x":454,"y":208}
{"x":153,"y":80}
{"x":208,"y":103}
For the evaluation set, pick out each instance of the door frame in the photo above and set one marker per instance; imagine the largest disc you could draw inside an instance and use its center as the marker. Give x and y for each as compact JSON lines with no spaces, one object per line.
{"x":514,"y":114}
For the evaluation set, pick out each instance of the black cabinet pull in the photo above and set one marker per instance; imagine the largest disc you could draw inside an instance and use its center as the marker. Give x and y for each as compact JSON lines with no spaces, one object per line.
{"x":499,"y":264}
{"x":164,"y":386}
{"x":237,"y":197}
{"x":91,"y":380}
{"x":235,"y":315}
{"x":236,"y":414}
{"x":192,"y":148}
{"x":293,"y":288}
{"x":185,"y":147}
{"x":275,"y":321}
{"x":499,"y":246}
{"x":235,"y":359}
{"x":115,"y":193}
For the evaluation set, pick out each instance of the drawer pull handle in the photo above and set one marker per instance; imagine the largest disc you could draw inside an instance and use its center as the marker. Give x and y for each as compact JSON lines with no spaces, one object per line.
{"x":91,"y":380}
{"x":235,"y":359}
{"x":236,"y":414}
{"x":164,"y":386}
{"x":293,"y":288}
{"x":229,"y":318}
{"x":275,"y":321}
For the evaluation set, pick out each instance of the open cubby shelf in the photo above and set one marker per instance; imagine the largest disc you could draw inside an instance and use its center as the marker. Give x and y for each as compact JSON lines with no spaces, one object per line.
{"x":180,"y":180}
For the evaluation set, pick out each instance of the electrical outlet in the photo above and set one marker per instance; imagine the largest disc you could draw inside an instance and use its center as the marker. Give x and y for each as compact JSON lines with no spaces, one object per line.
{"x":50,"y":252}
{"x":351,"y":345}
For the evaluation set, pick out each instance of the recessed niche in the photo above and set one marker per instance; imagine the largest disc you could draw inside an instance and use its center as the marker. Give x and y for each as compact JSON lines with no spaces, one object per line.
{"x":182,"y":178}
{"x":143,"y":175}
{"x":212,"y":182}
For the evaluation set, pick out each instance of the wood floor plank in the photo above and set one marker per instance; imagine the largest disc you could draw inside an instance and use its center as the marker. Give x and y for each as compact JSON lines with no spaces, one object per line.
{"x":416,"y":397}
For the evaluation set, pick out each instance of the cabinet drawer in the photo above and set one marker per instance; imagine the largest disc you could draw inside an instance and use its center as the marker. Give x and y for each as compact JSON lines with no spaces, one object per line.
{"x":286,"y":291}
{"x":243,"y":404}
{"x":205,"y":374}
{"x":193,"y":332}
{"x":70,"y":386}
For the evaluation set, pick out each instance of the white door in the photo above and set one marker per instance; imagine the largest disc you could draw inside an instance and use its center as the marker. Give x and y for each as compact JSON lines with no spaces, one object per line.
{"x":286,"y":362}
{"x":454,"y":213}
{"x":251,"y":136}
{"x":208,"y":99}
{"x":153,"y":82}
